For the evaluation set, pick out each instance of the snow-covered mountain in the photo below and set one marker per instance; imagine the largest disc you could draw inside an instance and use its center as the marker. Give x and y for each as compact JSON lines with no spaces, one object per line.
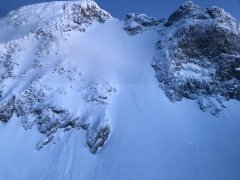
{"x":86,"y":96}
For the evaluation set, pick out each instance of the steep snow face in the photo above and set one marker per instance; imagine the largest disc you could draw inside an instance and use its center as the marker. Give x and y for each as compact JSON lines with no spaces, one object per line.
{"x":39,"y":86}
{"x":198,"y":53}
{"x":80,"y":100}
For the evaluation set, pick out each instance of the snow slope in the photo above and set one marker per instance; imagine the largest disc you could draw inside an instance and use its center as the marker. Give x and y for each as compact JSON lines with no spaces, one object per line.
{"x":151,"y":137}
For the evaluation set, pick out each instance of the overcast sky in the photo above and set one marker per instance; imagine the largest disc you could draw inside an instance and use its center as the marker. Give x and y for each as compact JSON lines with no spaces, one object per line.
{"x":119,"y":8}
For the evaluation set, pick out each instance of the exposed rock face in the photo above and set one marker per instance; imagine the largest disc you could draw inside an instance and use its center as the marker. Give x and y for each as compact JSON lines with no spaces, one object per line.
{"x":198,"y":56}
{"x":187,"y":10}
{"x":98,"y":139}
{"x":7,"y":110}
{"x":137,"y":23}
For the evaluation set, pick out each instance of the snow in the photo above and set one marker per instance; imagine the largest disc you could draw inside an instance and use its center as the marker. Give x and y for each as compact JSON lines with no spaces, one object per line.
{"x":15,"y":161}
{"x":44,"y":11}
{"x":152,"y":138}
{"x":190,"y":70}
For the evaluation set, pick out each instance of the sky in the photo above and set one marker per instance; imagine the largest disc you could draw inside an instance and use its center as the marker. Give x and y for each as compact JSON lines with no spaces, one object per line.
{"x":119,"y":8}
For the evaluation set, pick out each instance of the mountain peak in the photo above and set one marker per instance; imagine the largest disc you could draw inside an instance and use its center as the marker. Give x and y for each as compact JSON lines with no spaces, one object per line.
{"x":188,"y":9}
{"x":217,"y":12}
{"x":191,"y":10}
{"x":48,"y":12}
{"x":189,"y":5}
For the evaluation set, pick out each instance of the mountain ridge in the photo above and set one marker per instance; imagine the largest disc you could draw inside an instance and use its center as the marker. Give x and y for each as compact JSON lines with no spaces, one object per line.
{"x":96,"y":96}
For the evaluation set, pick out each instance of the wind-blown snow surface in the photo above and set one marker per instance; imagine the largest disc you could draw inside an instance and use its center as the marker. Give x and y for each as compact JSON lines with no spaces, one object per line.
{"x":151,"y":137}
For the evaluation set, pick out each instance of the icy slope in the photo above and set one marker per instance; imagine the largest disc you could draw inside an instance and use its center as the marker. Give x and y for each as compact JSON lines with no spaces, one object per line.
{"x":72,"y":86}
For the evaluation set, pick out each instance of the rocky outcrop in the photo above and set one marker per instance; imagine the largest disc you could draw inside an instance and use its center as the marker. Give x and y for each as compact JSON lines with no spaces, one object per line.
{"x":33,"y":108}
{"x":98,"y":139}
{"x":198,"y":55}
{"x":136,"y":23}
